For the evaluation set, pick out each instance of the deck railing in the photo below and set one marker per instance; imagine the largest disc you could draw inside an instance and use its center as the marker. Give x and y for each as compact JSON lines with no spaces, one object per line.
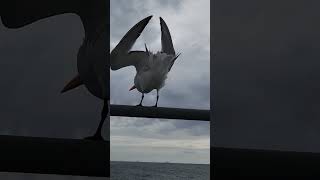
{"x":160,"y":112}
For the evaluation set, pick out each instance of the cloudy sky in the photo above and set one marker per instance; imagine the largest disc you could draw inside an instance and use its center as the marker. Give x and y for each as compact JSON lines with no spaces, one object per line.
{"x":187,"y":86}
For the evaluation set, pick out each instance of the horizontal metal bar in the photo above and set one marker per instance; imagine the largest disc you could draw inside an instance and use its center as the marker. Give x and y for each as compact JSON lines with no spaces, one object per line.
{"x":160,"y":112}
{"x":54,"y":156}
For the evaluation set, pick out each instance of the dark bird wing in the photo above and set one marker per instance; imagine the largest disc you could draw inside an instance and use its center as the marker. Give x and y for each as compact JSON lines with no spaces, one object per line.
{"x":121,"y":56}
{"x":166,"y":42}
{"x":17,"y":13}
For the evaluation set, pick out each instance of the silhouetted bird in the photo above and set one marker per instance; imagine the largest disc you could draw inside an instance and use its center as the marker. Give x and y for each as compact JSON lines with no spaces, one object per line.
{"x":152,"y":68}
{"x":92,"y":60}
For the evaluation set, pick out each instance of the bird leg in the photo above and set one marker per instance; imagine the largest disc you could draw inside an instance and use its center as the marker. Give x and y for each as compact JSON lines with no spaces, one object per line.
{"x":104,"y":114}
{"x":156,"y":105}
{"x":140,"y":104}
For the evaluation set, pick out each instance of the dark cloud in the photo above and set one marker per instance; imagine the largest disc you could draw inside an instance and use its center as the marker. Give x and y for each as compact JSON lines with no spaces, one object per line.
{"x":266,"y":75}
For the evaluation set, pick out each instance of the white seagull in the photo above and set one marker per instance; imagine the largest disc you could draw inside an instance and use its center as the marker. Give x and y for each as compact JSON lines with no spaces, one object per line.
{"x":151,"y":68}
{"x":92,"y":59}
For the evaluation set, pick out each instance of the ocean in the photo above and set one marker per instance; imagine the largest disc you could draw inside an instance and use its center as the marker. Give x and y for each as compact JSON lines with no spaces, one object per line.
{"x":158,"y":171}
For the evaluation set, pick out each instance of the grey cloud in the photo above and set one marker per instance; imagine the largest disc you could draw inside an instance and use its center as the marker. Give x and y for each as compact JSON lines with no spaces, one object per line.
{"x":157,"y":128}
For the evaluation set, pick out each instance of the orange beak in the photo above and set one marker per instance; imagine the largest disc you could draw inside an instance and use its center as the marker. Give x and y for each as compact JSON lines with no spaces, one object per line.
{"x":133,"y":87}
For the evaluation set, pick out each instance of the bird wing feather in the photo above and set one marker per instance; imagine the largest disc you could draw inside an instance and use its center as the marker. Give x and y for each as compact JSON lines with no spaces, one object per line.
{"x":166,"y":42}
{"x":121,"y":56}
{"x":17,"y":13}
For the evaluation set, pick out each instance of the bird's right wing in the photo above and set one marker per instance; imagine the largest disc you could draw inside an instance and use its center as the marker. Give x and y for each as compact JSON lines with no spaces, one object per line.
{"x":166,"y":41}
{"x":16,"y":13}
{"x":121,"y":56}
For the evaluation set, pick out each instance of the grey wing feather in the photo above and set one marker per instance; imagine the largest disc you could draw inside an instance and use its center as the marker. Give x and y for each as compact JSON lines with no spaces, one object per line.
{"x":166,"y":41}
{"x":121,"y":56}
{"x":137,"y":57}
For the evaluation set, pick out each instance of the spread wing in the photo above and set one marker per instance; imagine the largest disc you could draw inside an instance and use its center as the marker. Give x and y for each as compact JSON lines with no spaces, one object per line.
{"x":121,"y":56}
{"x":166,"y":42}
{"x":17,"y":13}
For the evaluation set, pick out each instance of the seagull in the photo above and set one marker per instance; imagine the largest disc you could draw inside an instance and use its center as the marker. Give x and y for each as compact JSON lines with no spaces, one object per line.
{"x":151,"y":68}
{"x":92,"y":60}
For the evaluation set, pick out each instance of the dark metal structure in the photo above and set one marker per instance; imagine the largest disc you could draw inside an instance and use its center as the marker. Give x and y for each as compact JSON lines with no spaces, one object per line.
{"x":160,"y":112}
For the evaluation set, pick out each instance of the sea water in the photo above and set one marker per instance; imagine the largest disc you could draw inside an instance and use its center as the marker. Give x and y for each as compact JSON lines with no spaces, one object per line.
{"x":158,"y":171}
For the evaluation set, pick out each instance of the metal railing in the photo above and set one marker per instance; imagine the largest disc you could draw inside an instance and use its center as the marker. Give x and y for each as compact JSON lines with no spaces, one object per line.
{"x":160,"y":112}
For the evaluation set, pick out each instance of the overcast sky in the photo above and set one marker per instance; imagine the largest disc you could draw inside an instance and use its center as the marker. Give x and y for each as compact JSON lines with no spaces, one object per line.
{"x":187,"y":86}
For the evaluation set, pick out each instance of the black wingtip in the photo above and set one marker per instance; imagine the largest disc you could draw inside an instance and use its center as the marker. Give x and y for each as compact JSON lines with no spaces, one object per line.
{"x":145,"y":21}
{"x":149,"y":17}
{"x":161,"y":20}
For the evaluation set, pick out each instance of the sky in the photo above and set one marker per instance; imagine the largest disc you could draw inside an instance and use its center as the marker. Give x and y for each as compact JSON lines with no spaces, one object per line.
{"x":266,"y":75}
{"x":187,"y":86}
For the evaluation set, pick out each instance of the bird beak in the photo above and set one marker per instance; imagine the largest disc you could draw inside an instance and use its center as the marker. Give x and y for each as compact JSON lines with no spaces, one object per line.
{"x":75,"y":82}
{"x":133,"y":87}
